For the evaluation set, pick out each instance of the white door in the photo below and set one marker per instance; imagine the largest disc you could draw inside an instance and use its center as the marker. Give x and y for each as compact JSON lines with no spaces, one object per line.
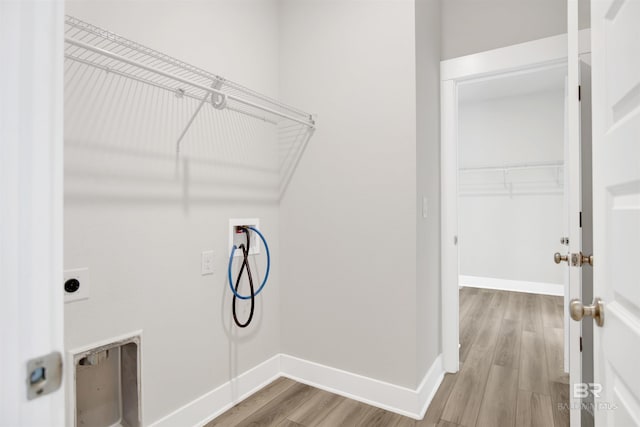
{"x":31,"y":306}
{"x":616,"y":187}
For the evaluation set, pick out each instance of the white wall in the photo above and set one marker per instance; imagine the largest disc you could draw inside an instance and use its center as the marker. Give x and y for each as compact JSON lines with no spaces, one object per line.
{"x":428,"y":295}
{"x":139,"y":229}
{"x":511,"y":237}
{"x":349,"y":246}
{"x":472,"y":26}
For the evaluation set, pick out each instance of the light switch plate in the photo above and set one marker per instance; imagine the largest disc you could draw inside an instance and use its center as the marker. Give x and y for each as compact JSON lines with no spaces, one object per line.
{"x":84,"y":288}
{"x":207,"y":263}
{"x":425,"y":207}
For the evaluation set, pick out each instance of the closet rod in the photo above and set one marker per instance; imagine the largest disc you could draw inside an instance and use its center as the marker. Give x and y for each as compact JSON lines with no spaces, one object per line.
{"x":185,"y":81}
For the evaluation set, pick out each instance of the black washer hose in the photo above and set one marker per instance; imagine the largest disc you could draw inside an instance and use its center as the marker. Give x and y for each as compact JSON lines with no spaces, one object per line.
{"x":245,"y":263}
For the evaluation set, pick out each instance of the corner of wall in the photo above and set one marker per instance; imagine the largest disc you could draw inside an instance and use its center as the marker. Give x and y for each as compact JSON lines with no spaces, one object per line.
{"x":428,"y":48}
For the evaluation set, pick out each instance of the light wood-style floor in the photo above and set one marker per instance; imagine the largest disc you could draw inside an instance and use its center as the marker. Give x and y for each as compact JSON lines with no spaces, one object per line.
{"x":511,"y":354}
{"x":511,"y":375}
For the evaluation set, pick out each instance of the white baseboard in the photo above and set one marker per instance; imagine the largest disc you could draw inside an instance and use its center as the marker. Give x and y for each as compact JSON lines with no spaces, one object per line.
{"x":429,"y":385}
{"x":401,"y":400}
{"x":211,"y":404}
{"x":512,"y":285}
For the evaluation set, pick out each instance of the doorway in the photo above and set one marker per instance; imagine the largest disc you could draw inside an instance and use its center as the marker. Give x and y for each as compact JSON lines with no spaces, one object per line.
{"x":455,"y":74}
{"x":511,"y":219}
{"x":486,"y":69}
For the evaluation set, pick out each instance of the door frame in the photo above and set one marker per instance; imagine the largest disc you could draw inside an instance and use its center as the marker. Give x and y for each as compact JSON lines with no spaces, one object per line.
{"x":516,"y":59}
{"x":31,"y":222}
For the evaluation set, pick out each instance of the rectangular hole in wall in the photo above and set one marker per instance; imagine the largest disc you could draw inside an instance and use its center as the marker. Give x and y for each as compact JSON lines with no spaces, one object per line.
{"x":107,"y":385}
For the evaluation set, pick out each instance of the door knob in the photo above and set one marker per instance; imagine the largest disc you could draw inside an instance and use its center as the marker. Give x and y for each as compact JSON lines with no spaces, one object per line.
{"x":557,"y":258}
{"x":579,"y":259}
{"x":596,"y":310}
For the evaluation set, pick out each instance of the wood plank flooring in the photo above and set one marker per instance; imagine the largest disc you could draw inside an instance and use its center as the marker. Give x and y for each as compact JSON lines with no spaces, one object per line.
{"x":511,"y":375}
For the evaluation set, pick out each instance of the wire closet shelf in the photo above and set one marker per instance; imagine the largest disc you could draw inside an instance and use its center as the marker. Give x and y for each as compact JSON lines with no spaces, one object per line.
{"x":102,"y":49}
{"x":509,"y":179}
{"x":92,"y":46}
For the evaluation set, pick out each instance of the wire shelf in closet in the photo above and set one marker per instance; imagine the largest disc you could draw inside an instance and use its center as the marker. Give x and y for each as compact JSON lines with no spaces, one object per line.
{"x":513,"y":179}
{"x":92,"y":46}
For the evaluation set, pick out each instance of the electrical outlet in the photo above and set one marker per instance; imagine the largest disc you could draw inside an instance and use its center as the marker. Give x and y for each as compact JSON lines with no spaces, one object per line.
{"x":237,"y":237}
{"x":76,"y":284}
{"x":207,"y":263}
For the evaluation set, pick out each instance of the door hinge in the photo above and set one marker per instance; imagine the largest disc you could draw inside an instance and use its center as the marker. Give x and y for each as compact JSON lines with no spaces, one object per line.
{"x":580,"y":219}
{"x":579,"y":93}
{"x":580,"y":344}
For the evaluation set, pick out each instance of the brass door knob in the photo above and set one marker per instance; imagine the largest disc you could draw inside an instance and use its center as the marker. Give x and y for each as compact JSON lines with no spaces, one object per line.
{"x":596,"y":310}
{"x":580,"y":259}
{"x":558,"y":258}
{"x":587,"y":260}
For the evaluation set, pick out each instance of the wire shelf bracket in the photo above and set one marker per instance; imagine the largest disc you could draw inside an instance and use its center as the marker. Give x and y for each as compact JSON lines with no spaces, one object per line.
{"x":219,"y":105}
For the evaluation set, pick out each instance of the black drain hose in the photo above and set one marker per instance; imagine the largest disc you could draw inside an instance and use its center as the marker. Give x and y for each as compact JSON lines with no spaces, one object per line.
{"x":245,"y":264}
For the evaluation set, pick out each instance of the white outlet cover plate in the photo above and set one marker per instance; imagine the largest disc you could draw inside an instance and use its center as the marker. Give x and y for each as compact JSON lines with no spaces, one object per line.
{"x":255,"y":242}
{"x":82,"y":276}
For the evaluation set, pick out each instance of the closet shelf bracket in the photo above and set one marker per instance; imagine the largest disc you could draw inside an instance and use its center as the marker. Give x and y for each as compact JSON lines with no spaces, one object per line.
{"x":216,"y":85}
